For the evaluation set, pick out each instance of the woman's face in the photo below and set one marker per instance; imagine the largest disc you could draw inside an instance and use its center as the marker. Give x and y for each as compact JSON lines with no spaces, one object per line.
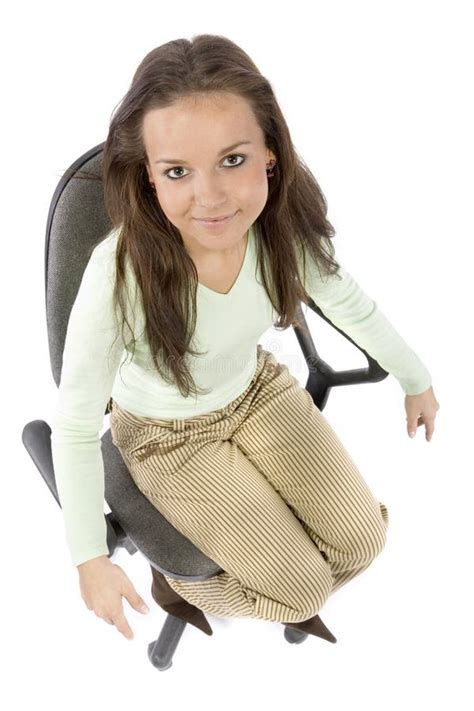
{"x":199,"y":171}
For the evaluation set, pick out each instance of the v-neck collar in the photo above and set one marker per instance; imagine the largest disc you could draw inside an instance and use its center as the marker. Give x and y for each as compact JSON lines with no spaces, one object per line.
{"x":240,"y":275}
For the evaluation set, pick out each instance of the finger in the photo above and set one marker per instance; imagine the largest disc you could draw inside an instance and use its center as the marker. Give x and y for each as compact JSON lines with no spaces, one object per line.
{"x":413,"y":422}
{"x":137,"y":602}
{"x":429,"y":429}
{"x":122,"y":625}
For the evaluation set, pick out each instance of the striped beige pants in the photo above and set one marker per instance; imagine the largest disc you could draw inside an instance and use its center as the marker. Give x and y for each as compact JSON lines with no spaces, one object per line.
{"x":265,"y":488}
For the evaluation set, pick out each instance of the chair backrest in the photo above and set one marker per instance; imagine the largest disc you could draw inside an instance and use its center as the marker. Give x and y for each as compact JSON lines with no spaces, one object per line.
{"x":77,"y":221}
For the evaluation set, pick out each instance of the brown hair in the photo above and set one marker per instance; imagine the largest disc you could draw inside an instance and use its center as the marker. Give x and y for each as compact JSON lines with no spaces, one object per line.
{"x":294,"y":216}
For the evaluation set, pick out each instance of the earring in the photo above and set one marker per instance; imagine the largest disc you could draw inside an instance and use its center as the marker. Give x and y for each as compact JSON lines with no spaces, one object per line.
{"x":152,"y":186}
{"x":270,"y":166}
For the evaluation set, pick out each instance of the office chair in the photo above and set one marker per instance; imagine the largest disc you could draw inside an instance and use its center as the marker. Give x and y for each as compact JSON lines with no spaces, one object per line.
{"x":76,"y":222}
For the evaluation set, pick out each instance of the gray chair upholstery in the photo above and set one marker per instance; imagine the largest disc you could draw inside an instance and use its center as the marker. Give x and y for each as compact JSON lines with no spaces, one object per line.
{"x":77,"y":221}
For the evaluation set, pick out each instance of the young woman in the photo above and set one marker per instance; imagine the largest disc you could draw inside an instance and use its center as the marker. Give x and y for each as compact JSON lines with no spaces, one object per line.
{"x":219,"y":232}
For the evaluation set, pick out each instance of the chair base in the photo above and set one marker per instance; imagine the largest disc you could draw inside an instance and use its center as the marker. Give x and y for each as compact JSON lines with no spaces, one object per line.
{"x":161,"y":651}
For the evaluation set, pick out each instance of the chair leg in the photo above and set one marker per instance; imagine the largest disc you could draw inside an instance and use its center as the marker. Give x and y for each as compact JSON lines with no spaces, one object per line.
{"x":169,"y":600}
{"x":314,"y":625}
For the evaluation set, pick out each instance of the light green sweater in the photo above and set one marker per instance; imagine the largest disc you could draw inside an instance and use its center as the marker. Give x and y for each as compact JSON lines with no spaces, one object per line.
{"x":228,"y":329}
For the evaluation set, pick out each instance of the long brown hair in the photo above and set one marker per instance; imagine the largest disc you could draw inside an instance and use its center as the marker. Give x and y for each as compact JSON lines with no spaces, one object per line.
{"x":294,"y":216}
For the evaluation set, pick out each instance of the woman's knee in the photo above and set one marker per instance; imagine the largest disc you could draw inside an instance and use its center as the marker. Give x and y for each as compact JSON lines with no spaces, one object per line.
{"x":314,"y":590}
{"x":371,"y":537}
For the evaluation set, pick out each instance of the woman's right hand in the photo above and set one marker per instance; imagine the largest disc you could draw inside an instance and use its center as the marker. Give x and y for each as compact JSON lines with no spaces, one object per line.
{"x":102,"y":585}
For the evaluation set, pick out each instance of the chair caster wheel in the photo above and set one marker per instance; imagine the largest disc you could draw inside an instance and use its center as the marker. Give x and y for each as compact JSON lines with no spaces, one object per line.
{"x":156,"y":660}
{"x":294,"y":636}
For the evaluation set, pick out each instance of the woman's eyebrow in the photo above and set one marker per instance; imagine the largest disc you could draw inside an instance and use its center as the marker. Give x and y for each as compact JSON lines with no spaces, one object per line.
{"x":225,"y":150}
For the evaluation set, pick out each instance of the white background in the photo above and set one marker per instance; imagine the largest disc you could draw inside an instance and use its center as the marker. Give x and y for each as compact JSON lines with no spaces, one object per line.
{"x":378,"y":97}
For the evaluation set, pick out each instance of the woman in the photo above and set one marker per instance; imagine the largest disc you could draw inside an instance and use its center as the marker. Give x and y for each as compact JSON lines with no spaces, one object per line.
{"x":218,"y":229}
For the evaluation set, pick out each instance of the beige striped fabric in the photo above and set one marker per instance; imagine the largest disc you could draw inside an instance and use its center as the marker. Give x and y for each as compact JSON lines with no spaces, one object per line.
{"x":265,"y":488}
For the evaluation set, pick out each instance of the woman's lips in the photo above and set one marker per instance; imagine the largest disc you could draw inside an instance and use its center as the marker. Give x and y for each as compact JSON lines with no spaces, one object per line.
{"x":215,"y":223}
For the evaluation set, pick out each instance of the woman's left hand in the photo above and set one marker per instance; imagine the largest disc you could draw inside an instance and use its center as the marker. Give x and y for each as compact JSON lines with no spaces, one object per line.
{"x":421,"y":409}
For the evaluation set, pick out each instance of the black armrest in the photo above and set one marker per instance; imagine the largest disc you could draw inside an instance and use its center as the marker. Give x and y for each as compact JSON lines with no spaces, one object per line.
{"x":321,"y":376}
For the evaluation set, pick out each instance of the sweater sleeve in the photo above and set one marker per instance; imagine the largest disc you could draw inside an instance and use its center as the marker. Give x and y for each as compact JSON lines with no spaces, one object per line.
{"x":352,"y":310}
{"x":91,"y":357}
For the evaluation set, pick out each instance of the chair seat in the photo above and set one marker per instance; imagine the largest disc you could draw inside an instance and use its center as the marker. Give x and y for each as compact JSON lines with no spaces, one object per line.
{"x":158,"y":541}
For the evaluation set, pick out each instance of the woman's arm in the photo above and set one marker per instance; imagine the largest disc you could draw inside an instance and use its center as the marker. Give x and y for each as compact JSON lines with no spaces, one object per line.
{"x":349,"y":308}
{"x":91,"y":357}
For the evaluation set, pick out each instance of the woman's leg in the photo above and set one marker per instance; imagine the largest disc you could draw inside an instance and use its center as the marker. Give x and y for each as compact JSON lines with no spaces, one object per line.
{"x":208,"y":489}
{"x":287,"y":438}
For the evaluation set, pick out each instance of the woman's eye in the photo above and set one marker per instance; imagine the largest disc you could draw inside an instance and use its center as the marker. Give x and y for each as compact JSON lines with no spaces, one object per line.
{"x":179,"y":167}
{"x":235,"y":155}
{"x":171,"y":169}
